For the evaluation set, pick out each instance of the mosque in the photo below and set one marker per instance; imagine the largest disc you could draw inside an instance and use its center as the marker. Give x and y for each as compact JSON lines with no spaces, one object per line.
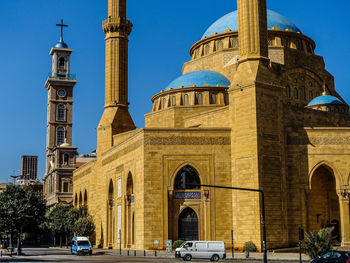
{"x":254,"y":108}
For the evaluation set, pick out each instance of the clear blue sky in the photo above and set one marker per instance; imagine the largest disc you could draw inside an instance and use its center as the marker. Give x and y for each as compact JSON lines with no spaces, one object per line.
{"x":163,"y":32}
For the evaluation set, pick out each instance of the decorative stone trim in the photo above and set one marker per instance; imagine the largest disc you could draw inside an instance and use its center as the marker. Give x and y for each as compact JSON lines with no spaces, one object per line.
{"x":344,"y":194}
{"x":181,"y":140}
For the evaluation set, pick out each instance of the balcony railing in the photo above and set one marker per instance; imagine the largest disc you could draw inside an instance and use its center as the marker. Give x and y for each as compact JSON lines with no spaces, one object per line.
{"x":63,"y":76}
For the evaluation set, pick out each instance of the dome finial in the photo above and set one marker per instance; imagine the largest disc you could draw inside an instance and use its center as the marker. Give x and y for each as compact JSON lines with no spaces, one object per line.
{"x":324,"y":89}
{"x":61,"y":43}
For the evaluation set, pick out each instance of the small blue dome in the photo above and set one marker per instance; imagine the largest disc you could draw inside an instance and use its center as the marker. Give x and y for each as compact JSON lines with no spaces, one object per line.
{"x":325,"y":99}
{"x":200,"y":79}
{"x":61,"y":44}
{"x":230,"y":21}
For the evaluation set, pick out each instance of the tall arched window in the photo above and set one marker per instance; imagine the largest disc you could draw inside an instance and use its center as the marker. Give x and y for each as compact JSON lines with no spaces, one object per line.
{"x":200,"y":99}
{"x":61,"y":112}
{"x":61,"y":62}
{"x":186,"y":99}
{"x":296,"y":93}
{"x":288,"y":91}
{"x":60,"y":135}
{"x":303,"y":93}
{"x":187,"y":178}
{"x":213,"y":98}
{"x":311,"y":95}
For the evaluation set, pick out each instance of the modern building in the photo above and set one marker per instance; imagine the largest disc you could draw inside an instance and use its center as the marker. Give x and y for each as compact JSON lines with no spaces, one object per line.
{"x":254,"y":108}
{"x":60,"y":154}
{"x":29,"y":167}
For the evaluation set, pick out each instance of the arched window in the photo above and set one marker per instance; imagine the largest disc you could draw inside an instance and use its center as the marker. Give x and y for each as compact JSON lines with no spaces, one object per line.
{"x":129,"y":185}
{"x":296,"y":93}
{"x":60,"y":135}
{"x":213,"y":98}
{"x":187,"y":178}
{"x":61,"y":62}
{"x":234,"y":42}
{"x":200,"y":98}
{"x":76,"y":200}
{"x":226,"y":98}
{"x":186,"y":99}
{"x":303,"y":93}
{"x":288,"y":91}
{"x":85,"y":198}
{"x":206,"y":49}
{"x":66,"y":159}
{"x":219,"y":45}
{"x":311,"y":95}
{"x":61,"y":112}
{"x":173,"y":101}
{"x":80,"y":200}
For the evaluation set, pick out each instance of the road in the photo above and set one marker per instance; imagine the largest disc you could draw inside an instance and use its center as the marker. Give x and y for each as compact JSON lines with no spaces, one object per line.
{"x":61,"y":255}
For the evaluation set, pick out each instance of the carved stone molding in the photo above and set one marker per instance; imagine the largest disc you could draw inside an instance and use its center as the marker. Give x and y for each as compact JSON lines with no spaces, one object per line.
{"x":318,"y":140}
{"x":181,"y":140}
{"x":344,"y":194}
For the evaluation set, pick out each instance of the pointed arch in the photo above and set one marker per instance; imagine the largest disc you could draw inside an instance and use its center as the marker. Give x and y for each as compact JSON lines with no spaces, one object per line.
{"x":85,"y":198}
{"x":80,"y":199}
{"x":130,"y":185}
{"x":331,"y":168}
{"x":110,"y":190}
{"x":188,"y":225}
{"x":186,"y":178}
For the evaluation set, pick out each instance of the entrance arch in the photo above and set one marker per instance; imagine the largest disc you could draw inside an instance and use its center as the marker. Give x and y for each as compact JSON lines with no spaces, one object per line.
{"x":188,"y":225}
{"x":323,"y":205}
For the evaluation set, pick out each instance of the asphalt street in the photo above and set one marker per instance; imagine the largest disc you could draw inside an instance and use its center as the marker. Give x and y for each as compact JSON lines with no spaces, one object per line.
{"x":62,"y":255}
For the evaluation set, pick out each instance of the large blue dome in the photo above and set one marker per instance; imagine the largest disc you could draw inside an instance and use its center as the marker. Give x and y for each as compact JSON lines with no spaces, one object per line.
{"x":200,"y":79}
{"x":325,"y":99}
{"x":230,"y":21}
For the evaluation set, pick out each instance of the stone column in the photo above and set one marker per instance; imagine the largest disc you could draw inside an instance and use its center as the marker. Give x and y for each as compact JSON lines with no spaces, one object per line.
{"x":344,"y":196}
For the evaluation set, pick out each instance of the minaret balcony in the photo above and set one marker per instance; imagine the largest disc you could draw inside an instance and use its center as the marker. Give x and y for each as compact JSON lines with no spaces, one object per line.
{"x":62,"y":76}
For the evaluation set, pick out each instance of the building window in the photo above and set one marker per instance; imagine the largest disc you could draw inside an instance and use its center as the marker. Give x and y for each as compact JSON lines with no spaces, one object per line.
{"x":65,"y":187}
{"x":206,"y":49}
{"x":311,"y":95}
{"x":226,"y":98}
{"x":60,"y":135}
{"x":61,"y":62}
{"x":303,"y":93}
{"x":288,"y":92}
{"x":173,"y":101}
{"x":285,"y":42}
{"x":212,"y":98}
{"x":186,"y":99}
{"x":296,"y":93}
{"x":187,"y":178}
{"x":219,"y":45}
{"x":66,"y":159}
{"x":61,"y":112}
{"x":200,"y":98}
{"x":234,"y":42}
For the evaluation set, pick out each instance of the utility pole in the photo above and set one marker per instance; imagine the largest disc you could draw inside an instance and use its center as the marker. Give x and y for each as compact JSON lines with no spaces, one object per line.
{"x":262,"y":208}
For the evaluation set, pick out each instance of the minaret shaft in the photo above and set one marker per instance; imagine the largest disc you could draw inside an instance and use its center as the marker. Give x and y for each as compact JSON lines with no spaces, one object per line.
{"x":117,"y":8}
{"x":252,"y":28}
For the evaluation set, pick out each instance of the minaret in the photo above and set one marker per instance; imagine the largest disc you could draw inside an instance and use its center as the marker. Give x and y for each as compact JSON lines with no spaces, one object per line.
{"x":252,"y":28}
{"x":116,"y":117}
{"x":60,"y":155}
{"x":255,"y":100}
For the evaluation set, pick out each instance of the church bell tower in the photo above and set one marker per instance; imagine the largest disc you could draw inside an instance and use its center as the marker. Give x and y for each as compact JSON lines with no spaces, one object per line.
{"x":60,"y":155}
{"x":116,"y":117}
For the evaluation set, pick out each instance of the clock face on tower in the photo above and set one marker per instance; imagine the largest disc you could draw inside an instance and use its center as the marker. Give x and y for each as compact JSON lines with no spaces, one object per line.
{"x":61,"y":93}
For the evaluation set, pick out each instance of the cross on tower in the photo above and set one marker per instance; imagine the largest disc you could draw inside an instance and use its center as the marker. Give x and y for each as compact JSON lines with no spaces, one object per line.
{"x":62,"y":26}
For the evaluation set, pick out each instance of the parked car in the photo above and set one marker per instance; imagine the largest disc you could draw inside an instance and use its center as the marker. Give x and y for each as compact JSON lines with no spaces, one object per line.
{"x":81,"y":245}
{"x":333,"y":256}
{"x":213,"y":250}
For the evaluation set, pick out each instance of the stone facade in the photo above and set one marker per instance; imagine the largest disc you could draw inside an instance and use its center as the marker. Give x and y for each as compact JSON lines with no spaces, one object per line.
{"x":256,"y":133}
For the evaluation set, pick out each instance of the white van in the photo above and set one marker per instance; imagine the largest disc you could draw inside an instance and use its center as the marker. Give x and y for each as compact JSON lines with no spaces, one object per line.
{"x":213,"y":250}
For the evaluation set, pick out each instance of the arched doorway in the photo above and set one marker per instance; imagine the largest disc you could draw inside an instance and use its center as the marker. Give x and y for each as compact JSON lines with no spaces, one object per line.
{"x":85,"y":198}
{"x":323,"y":205}
{"x":188,"y":225}
{"x":130,"y":211}
{"x":110,"y":215}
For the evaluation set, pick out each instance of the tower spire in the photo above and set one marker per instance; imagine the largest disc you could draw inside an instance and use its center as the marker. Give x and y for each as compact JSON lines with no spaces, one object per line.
{"x":252,"y":29}
{"x":62,"y":26}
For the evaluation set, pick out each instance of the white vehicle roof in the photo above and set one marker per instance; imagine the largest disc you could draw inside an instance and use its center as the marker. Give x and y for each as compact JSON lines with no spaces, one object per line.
{"x":82,"y":238}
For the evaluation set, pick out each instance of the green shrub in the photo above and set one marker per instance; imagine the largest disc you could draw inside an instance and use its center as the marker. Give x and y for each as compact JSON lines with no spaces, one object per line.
{"x":318,"y":242}
{"x":178,"y":243}
{"x":249,"y":246}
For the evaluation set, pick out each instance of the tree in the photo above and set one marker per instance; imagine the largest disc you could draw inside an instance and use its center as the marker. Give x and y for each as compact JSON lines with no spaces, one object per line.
{"x":318,"y":242}
{"x":20,"y":208}
{"x":56,"y":218}
{"x":84,"y":226}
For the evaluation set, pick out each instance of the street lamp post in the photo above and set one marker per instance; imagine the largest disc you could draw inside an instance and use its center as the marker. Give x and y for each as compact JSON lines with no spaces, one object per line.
{"x":262,"y":207}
